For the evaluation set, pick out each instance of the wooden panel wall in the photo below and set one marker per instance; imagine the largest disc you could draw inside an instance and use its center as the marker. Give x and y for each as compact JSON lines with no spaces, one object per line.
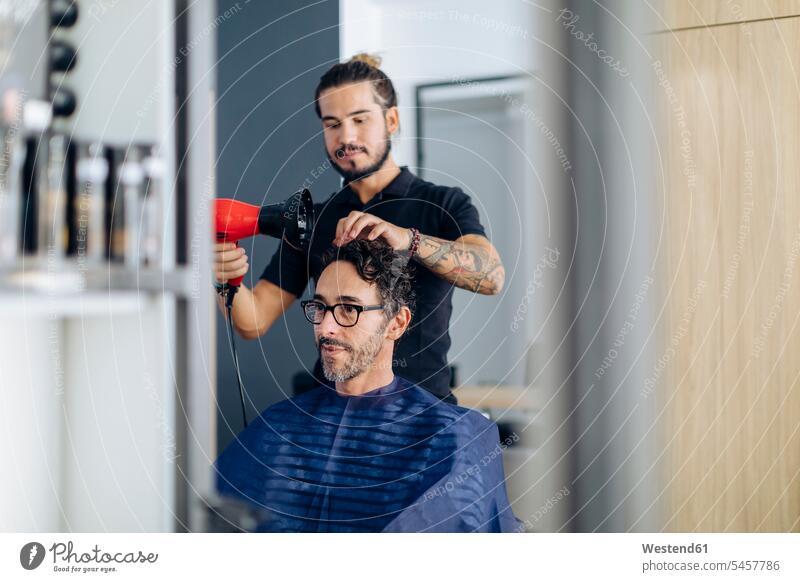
{"x":674,"y":14}
{"x":729,"y":377}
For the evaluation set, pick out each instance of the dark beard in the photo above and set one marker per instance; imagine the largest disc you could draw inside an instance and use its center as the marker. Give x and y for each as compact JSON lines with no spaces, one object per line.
{"x":353,"y":175}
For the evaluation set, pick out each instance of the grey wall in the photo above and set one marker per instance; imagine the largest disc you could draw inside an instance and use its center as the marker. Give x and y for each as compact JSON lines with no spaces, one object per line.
{"x":271,"y":55}
{"x":613,"y":278}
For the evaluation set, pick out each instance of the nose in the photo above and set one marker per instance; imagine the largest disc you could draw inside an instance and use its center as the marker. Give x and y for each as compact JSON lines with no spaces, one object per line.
{"x":348,"y":130}
{"x":328,"y":325}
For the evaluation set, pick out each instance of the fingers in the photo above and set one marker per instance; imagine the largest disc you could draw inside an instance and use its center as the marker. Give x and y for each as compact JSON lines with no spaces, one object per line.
{"x":229,"y":262}
{"x":344,"y":225}
{"x":341,"y":225}
{"x":361,"y":223}
{"x":357,"y":227}
{"x":227,"y":272}
{"x":377,"y":231}
{"x":365,"y":232}
{"x":229,"y":255}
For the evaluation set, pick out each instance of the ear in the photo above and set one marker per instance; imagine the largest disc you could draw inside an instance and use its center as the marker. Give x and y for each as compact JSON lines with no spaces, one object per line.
{"x":398,"y":324}
{"x":392,"y":117}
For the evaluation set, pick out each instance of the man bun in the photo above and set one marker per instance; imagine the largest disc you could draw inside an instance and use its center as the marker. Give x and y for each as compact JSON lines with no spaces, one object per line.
{"x":371,"y":60}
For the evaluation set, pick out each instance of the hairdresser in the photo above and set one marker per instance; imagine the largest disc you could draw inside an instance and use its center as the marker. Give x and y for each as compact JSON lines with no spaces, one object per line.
{"x":435,"y":227}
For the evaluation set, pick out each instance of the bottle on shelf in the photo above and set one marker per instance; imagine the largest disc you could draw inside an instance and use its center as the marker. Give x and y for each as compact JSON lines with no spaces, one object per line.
{"x":52,"y":227}
{"x":152,"y":215}
{"x":12,"y":157}
{"x":92,"y":172}
{"x":128,"y":209}
{"x":37,"y":119}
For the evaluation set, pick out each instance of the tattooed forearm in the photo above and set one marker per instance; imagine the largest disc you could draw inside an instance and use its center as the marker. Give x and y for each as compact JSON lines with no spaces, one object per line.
{"x":474,"y":266}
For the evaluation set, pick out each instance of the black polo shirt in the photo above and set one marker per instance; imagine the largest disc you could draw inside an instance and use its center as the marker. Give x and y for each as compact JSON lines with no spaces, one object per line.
{"x":441,"y":211}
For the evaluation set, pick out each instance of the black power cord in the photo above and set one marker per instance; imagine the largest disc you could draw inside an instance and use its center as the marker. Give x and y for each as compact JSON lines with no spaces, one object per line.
{"x":228,"y":292}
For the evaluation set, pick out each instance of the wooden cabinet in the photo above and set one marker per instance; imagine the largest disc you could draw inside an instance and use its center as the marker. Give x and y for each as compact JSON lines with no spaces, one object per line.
{"x":677,"y":14}
{"x":729,"y":376}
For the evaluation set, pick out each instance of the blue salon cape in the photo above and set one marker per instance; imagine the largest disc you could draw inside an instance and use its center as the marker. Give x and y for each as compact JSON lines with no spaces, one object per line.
{"x":395,"y":459}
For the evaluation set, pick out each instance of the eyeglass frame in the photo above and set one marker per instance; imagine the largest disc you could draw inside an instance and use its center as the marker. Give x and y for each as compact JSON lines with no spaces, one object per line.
{"x":326,"y":308}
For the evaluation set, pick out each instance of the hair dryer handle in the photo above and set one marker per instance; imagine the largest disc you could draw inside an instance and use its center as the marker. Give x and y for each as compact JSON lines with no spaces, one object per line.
{"x":236,"y":282}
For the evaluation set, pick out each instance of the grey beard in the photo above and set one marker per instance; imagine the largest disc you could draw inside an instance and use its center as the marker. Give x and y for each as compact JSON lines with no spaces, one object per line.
{"x":358,"y":361}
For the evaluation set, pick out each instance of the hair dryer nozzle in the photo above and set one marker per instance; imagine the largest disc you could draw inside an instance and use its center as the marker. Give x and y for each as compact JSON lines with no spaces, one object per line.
{"x":292,"y":220}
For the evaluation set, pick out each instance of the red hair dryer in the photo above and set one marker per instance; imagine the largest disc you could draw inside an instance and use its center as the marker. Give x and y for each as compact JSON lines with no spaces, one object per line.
{"x":292,"y":221}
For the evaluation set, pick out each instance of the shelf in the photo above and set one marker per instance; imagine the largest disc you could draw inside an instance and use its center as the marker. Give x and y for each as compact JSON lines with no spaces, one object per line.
{"x":64,"y":278}
{"x":78,"y":306}
{"x":496,"y":397}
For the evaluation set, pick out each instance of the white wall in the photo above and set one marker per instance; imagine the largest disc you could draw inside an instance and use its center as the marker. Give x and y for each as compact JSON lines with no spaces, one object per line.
{"x":425,"y":42}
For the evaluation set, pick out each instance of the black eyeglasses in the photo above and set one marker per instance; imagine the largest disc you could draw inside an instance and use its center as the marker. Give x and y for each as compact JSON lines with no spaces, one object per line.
{"x":345,"y":314}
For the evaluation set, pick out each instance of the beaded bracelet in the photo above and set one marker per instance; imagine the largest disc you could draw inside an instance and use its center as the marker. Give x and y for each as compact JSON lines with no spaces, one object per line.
{"x":414,"y":245}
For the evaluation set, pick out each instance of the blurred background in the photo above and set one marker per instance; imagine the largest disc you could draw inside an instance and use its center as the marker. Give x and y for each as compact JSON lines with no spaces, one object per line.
{"x":631,"y":162}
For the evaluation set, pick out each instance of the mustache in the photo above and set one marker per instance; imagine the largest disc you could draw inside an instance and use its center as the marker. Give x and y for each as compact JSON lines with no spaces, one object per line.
{"x":327,"y":341}
{"x":349,"y":148}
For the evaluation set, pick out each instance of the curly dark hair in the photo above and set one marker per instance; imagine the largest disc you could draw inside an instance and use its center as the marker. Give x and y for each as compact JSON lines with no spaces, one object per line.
{"x":377,"y":263}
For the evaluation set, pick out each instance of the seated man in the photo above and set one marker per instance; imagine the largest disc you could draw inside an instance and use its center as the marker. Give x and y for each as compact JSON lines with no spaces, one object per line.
{"x":378,"y":453}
